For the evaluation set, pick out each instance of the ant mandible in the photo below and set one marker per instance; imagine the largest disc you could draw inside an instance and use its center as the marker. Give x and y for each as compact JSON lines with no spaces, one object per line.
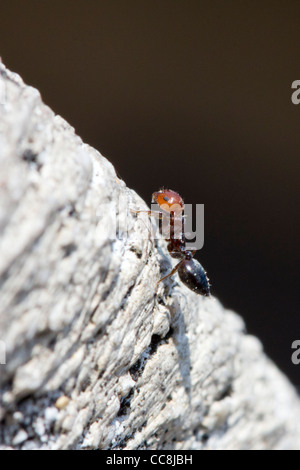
{"x":189,"y":269}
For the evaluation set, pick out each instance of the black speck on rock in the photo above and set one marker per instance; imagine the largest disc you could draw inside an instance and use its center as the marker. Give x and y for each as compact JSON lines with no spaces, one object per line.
{"x":125,"y":403}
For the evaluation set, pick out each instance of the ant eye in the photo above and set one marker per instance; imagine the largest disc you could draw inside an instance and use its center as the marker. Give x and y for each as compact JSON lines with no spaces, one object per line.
{"x":166,"y":198}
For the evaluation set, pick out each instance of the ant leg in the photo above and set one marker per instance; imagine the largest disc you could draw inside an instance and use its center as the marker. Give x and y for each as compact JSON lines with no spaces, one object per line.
{"x":150,"y":213}
{"x":171,"y":273}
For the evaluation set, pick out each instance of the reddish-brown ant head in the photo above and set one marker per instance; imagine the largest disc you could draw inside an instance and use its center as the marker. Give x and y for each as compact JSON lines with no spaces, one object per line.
{"x":168,"y":200}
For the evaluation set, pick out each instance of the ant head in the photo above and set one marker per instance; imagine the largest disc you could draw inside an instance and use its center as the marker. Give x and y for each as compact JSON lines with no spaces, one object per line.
{"x":168,"y":200}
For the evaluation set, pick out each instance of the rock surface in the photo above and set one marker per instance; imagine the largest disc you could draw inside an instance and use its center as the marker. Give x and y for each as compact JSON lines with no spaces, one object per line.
{"x":96,"y":355}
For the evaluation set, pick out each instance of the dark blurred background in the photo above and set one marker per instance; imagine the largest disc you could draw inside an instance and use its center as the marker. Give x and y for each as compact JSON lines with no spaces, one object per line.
{"x":195,"y":96}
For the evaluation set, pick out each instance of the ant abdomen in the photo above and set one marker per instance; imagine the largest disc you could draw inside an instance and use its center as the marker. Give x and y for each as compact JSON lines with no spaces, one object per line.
{"x":193,"y":276}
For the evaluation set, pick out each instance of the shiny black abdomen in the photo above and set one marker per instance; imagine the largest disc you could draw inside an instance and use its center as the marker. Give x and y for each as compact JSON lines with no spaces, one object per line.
{"x":193,"y":276}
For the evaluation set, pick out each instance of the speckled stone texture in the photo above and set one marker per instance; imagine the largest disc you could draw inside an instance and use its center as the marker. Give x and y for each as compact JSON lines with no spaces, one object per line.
{"x":98,"y":356}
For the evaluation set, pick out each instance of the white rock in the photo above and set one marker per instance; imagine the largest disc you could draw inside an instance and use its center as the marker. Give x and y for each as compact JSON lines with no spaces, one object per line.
{"x":20,"y":437}
{"x":81,"y":315}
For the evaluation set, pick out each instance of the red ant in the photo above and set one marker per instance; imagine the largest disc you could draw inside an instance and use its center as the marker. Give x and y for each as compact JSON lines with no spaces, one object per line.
{"x":189,"y":269}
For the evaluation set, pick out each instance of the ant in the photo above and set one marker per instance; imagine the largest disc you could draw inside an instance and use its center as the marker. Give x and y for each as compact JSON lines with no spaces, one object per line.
{"x":189,"y":269}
